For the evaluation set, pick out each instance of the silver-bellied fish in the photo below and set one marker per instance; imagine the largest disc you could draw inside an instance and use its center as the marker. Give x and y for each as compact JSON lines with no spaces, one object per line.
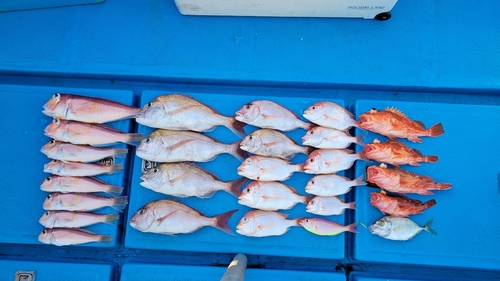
{"x":264,"y":168}
{"x":82,"y":202}
{"x":332,"y":185}
{"x":77,"y":169}
{"x":328,"y":161}
{"x":327,"y":206}
{"x":52,"y":219}
{"x":267,"y":142}
{"x":324,"y":227}
{"x":70,"y":236}
{"x":260,"y":223}
{"x":56,"y":183}
{"x":80,"y":153}
{"x":330,"y":115}
{"x":270,"y":196}
{"x":321,"y":137}
{"x":399,"y":229}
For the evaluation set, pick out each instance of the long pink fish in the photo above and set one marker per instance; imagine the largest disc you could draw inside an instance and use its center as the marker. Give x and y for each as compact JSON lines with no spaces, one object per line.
{"x":71,"y":219}
{"x":262,"y":168}
{"x":83,"y":133}
{"x":82,"y":202}
{"x":56,"y":183}
{"x":87,"y":109}
{"x":328,"y":161}
{"x":77,"y":169}
{"x":70,"y":236}
{"x":80,"y":153}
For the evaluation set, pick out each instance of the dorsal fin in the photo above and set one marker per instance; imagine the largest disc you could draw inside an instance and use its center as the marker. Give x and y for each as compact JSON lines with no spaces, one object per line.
{"x":396,"y":142}
{"x":419,"y":123}
{"x":397,"y":112}
{"x":417,"y":152}
{"x":107,"y":127}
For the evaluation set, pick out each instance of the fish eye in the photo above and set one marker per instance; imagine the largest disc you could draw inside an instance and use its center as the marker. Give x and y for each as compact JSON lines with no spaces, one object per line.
{"x":148,"y":140}
{"x":248,"y":161}
{"x":54,"y":161}
{"x":247,"y":106}
{"x":312,"y":202}
{"x":149,"y":104}
{"x":48,"y":179}
{"x":155,"y":170}
{"x":373,"y":108}
{"x":47,"y":213}
{"x":48,"y":196}
{"x":142,"y":211}
{"x":245,"y":219}
{"x":312,"y":182}
{"x":55,"y":121}
{"x":53,"y":142}
{"x":314,"y":107}
{"x":248,"y":189}
{"x":44,"y":232}
{"x":311,"y":132}
{"x":250,"y":137}
{"x":56,"y":95}
{"x":307,"y":220}
{"x":311,"y":160}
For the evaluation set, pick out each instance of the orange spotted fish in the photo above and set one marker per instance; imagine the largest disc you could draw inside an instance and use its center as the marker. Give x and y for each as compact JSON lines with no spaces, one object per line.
{"x":396,"y":153}
{"x":399,"y":206}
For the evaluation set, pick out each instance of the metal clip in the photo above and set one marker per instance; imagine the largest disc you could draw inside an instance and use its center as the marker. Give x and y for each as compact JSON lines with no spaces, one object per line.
{"x":110,"y":161}
{"x":22,"y":275}
{"x":147,"y":165}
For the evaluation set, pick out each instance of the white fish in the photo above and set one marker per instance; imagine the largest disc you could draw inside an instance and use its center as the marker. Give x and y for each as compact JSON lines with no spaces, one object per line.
{"x":332,"y":185}
{"x":260,"y":223}
{"x":263,"y":168}
{"x":270,"y":196}
{"x":321,"y":137}
{"x":185,"y":179}
{"x":55,"y":183}
{"x":82,"y":202}
{"x":267,"y":142}
{"x":327,"y":206}
{"x":70,"y":236}
{"x":51,"y":219}
{"x":400,"y":229}
{"x":328,"y":161}
{"x":80,"y":153}
{"x":77,"y":169}
{"x":330,"y":115}
{"x":180,"y":146}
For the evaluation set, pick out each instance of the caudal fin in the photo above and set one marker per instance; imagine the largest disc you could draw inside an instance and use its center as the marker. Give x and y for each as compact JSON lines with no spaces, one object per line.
{"x":119,"y":203}
{"x":351,"y":205}
{"x":441,"y":186}
{"x":362,"y":156}
{"x":105,"y":239}
{"x":111,"y":218}
{"x":359,"y":140}
{"x":114,"y":190}
{"x":299,"y":167}
{"x":429,"y":204}
{"x":120,"y":152}
{"x":221,"y":222}
{"x":234,"y":187}
{"x":306,"y":150}
{"x":235,"y":150}
{"x":307,"y":125}
{"x":236,"y":127}
{"x":358,"y":181}
{"x":435,"y":130}
{"x":115,"y":168}
{"x":134,"y":139}
{"x":306,"y":199}
{"x":352,"y":228}
{"x":430,"y":159}
{"x":427,"y":227}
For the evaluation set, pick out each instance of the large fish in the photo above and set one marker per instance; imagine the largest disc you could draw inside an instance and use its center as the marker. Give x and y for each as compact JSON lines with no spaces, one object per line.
{"x":51,"y":219}
{"x":332,"y":185}
{"x":328,"y":161}
{"x":87,"y":109}
{"x":324,"y":227}
{"x":260,"y":223}
{"x":396,"y":153}
{"x":327,"y":206}
{"x":393,"y":123}
{"x":80,"y":153}
{"x":180,"y":146}
{"x":56,"y":183}
{"x":401,"y":181}
{"x":70,"y":236}
{"x":267,"y":142}
{"x":180,"y":112}
{"x":330,"y":115}
{"x":270,"y":115}
{"x":83,"y":133}
{"x":77,"y":169}
{"x":171,"y":217}
{"x":82,"y":202}
{"x":185,"y":179}
{"x":399,"y":229}
{"x":398,"y":206}
{"x":270,"y":196}
{"x":321,"y":137}
{"x":264,"y":168}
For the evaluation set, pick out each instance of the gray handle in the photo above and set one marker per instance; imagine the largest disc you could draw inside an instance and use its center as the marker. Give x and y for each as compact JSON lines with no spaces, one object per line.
{"x":236,"y":269}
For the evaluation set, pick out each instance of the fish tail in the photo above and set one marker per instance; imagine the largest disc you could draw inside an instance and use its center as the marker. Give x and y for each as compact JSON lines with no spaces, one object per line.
{"x":429,"y":204}
{"x":359,"y":181}
{"x":114,"y":190}
{"x":307,"y":149}
{"x":427,"y":227}
{"x":299,"y":167}
{"x":430,"y":159}
{"x":236,"y":127}
{"x":355,"y":123}
{"x":221,"y":222}
{"x":111,"y":218}
{"x":115,"y":168}
{"x":235,"y":150}
{"x":352,"y":227}
{"x":362,"y":156}
{"x":120,"y":152}
{"x":351,"y":205}
{"x":119,"y":203}
{"x":359,"y":139}
{"x":442,"y":186}
{"x":235,"y":186}
{"x":133,"y":139}
{"x":105,"y":239}
{"x":435,"y":130}
{"x":306,"y":199}
{"x":307,"y":125}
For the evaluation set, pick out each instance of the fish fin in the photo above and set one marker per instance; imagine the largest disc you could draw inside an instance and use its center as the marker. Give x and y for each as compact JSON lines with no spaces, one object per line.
{"x":108,"y":127}
{"x":307,"y":125}
{"x":359,"y":181}
{"x":306,"y":150}
{"x":119,"y":203}
{"x":442,"y":186}
{"x":362,"y":156}
{"x":420,"y":124}
{"x":105,"y":239}
{"x":300,"y":167}
{"x":235,"y":186}
{"x":221,"y":222}
{"x":236,"y":127}
{"x":306,"y":199}
{"x":235,"y":150}
{"x":115,"y":168}
{"x":435,"y":130}
{"x":427,"y":192}
{"x":397,"y":112}
{"x":417,"y":152}
{"x":430,"y":159}
{"x":359,"y":140}
{"x":428,"y":228}
{"x":208,"y":195}
{"x":429,"y":204}
{"x":352,"y":227}
{"x":181,"y":109}
{"x":180,"y":144}
{"x":114,"y":190}
{"x":160,"y":220}
{"x":111,"y":218}
{"x":415,"y":139}
{"x":120,"y":152}
{"x":351,"y":205}
{"x":395,"y":141}
{"x":349,"y":151}
{"x":133,"y":139}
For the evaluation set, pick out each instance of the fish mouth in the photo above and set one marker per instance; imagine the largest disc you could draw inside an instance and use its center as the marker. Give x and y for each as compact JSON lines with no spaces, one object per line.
{"x":369,"y":148}
{"x":363,"y":118}
{"x":133,"y":222}
{"x":241,"y":169}
{"x":374,"y":197}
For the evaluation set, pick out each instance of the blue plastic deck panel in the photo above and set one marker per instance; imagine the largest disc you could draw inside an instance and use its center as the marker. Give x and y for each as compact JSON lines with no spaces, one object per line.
{"x":465,"y":217}
{"x":14,"y":5}
{"x":426,"y":44}
{"x":156,"y":272}
{"x":22,"y":165}
{"x":297,"y":242}
{"x":49,"y":271}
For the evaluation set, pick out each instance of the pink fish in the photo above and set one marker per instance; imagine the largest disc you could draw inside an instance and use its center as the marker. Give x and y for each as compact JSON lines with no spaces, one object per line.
{"x":70,"y":236}
{"x":76,"y":169}
{"x":330,"y":115}
{"x":264,"y":168}
{"x":51,"y":219}
{"x":80,"y":153}
{"x":328,"y":161}
{"x":82,"y":202}
{"x":56,"y":183}
{"x":325,"y":227}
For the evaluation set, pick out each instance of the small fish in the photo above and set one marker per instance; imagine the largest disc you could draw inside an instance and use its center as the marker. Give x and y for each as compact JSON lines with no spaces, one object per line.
{"x":400,"y":181}
{"x":56,"y":183}
{"x":393,"y":123}
{"x":260,"y":223}
{"x":80,"y":153}
{"x":321,"y":137}
{"x":82,"y":202}
{"x":180,"y":146}
{"x":264,"y":168}
{"x":270,"y":196}
{"x":171,"y":217}
{"x":70,"y":236}
{"x":327,"y":206}
{"x":324,"y":227}
{"x":270,"y":115}
{"x":396,"y":153}
{"x":330,"y":115}
{"x":185,"y":179}
{"x":180,"y":112}
{"x":399,"y":206}
{"x":267,"y":142}
{"x":87,"y":109}
{"x":83,"y":133}
{"x":76,"y":169}
{"x":52,"y":219}
{"x":399,"y":229}
{"x":332,"y":185}
{"x":328,"y":161}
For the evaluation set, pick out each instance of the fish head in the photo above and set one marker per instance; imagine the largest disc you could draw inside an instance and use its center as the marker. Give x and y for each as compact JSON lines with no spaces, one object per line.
{"x":249,"y":168}
{"x":248,"y":113}
{"x":151,"y":113}
{"x":371,"y":150}
{"x":381,"y":176}
{"x":312,"y":137}
{"x":48,"y":219}
{"x":370,"y":120}
{"x":247,"y":225}
{"x":46,"y":236}
{"x":313,"y":163}
{"x":143,"y":218}
{"x":57,"y":106}
{"x":314,"y":112}
{"x":53,"y":128}
{"x":314,"y":206}
{"x":51,"y":201}
{"x":251,"y":143}
{"x":381,"y":228}
{"x":248,"y":196}
{"x":49,"y":183}
{"x":313,"y":185}
{"x":149,"y":148}
{"x":53,"y":167}
{"x":307,"y":223}
{"x":50,"y":148}
{"x":155,"y":178}
{"x":378,"y":200}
